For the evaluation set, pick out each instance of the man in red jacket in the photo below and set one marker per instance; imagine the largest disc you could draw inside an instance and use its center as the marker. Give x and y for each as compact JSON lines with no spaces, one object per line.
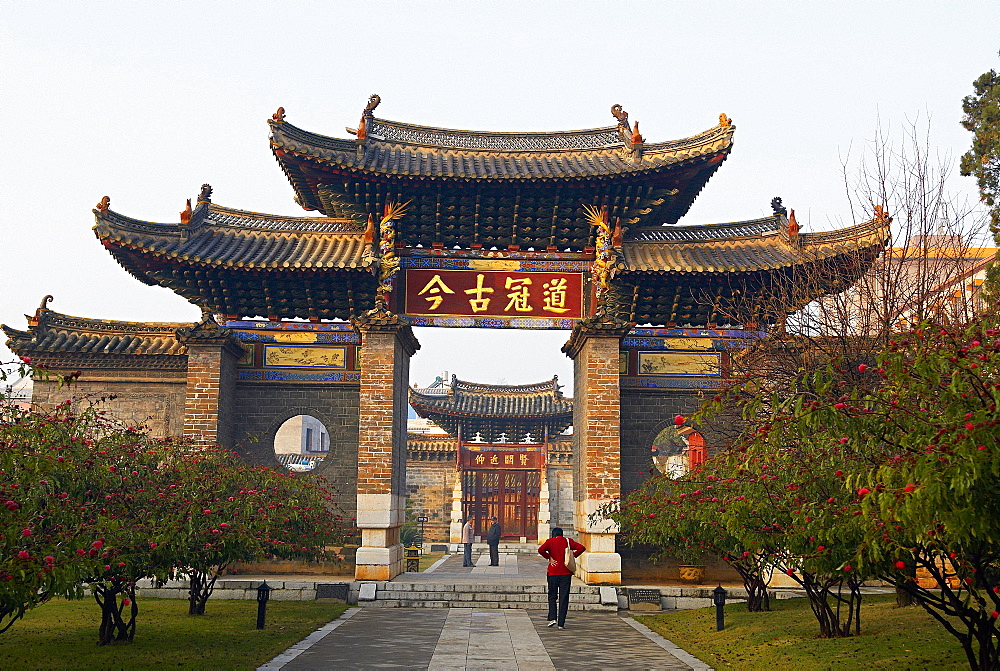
{"x":554,"y":549}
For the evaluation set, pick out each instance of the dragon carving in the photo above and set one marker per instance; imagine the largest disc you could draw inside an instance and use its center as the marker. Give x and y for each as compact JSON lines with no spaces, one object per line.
{"x":104,"y":205}
{"x":608,"y":259}
{"x":388,"y":261}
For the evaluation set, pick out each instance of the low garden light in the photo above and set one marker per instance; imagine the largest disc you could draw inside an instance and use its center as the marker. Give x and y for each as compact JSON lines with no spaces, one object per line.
{"x":413,"y":559}
{"x":263,"y":594}
{"x":719,"y":599}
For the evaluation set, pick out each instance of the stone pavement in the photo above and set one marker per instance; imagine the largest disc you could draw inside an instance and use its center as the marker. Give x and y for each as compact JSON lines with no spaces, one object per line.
{"x":481,"y":638}
{"x":467,"y":638}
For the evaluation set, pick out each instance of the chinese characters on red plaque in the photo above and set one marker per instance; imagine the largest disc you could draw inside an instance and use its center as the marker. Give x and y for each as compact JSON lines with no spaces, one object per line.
{"x":496,"y":459}
{"x":490,"y":293}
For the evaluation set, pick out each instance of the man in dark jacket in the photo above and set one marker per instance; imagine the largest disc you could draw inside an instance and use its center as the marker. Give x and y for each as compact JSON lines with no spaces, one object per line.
{"x":493,"y":540}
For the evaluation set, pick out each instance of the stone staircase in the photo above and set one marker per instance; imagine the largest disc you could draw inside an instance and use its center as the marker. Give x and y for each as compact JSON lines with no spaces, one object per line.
{"x":441,"y":595}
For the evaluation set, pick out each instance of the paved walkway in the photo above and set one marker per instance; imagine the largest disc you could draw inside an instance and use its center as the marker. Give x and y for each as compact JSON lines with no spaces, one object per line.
{"x":466,"y":638}
{"x":469,"y":638}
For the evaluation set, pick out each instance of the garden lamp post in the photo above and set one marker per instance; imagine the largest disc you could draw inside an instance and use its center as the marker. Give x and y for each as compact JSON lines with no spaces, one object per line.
{"x":263,"y":594}
{"x":719,"y":599}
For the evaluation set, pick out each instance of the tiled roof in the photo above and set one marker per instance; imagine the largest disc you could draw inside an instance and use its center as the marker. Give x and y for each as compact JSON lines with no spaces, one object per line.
{"x":420,"y":151}
{"x":396,"y":131}
{"x":58,"y":333}
{"x":761,"y":244}
{"x":229,"y":238}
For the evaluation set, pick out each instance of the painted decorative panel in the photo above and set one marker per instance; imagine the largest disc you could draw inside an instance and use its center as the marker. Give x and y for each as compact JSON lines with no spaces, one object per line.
{"x":294,"y":356}
{"x":700,"y":364}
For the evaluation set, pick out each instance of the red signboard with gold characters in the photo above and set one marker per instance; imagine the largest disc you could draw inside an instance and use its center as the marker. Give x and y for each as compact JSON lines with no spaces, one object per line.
{"x":501,"y":459}
{"x":490,"y":293}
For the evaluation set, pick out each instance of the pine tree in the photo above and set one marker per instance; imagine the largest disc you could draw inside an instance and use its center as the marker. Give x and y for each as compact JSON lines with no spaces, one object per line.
{"x":982,"y":119}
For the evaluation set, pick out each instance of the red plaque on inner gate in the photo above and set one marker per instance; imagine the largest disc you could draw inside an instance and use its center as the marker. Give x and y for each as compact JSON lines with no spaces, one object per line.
{"x":496,"y":459}
{"x":490,"y":293}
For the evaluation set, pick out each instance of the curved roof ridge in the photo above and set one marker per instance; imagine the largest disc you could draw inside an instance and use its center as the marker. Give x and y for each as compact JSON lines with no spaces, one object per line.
{"x":51,"y":318}
{"x":847,"y":233}
{"x":454,"y":138}
{"x":700,"y":232}
{"x":507,"y":389}
{"x":721,"y":132}
{"x":221,"y":216}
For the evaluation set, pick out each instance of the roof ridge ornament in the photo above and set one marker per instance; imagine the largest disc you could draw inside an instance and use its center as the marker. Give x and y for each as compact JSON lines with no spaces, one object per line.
{"x":793,"y":229}
{"x":725,"y":121}
{"x":882,"y":217}
{"x":622,"y":116}
{"x":777,"y":208}
{"x":35,"y":320}
{"x":104,"y":205}
{"x":629,"y":134}
{"x":369,"y":113}
{"x":206,"y":194}
{"x":279,"y":116}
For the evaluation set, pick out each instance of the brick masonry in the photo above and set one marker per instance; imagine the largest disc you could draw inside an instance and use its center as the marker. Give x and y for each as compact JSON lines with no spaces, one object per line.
{"x":428,"y":492}
{"x":211,"y":379}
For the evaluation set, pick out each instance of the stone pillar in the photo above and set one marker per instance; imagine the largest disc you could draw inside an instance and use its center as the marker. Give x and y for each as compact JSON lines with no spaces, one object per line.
{"x":544,"y":511}
{"x":386,"y":347}
{"x":455,"y":528}
{"x":211,"y":380}
{"x":594,"y":348}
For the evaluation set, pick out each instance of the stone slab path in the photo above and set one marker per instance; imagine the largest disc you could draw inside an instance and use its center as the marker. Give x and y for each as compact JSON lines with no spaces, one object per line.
{"x":467,"y":638}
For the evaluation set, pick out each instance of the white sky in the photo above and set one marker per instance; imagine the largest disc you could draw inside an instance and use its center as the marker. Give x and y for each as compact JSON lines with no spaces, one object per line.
{"x":145,"y":101}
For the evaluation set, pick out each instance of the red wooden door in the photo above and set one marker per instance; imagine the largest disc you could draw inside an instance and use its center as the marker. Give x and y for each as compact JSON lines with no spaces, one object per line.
{"x":510,"y":496}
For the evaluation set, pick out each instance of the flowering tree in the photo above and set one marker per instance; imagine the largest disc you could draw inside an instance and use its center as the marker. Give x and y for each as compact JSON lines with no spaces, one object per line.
{"x":224,"y":511}
{"x":42,"y":527}
{"x":681,"y":518}
{"x":92,"y":505}
{"x":930,"y":431}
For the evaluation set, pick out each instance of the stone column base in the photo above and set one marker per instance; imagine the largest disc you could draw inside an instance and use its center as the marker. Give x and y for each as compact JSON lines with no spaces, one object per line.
{"x":600,"y":565}
{"x":375,"y":563}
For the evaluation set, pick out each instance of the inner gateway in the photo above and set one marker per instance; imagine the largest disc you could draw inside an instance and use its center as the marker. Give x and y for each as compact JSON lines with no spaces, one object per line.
{"x":415,"y":226}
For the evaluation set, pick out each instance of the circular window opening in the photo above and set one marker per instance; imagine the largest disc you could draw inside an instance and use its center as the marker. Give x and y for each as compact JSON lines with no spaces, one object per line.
{"x":301,"y":443}
{"x":677,"y":451}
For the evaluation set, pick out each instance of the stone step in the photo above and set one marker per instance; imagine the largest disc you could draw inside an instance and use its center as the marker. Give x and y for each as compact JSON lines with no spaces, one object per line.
{"x":442,"y":595}
{"x":499,"y":589}
{"x":410,"y":603}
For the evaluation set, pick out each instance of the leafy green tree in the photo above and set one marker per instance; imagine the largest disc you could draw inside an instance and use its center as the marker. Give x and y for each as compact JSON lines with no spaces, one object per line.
{"x":982,"y":161}
{"x":932,"y":434}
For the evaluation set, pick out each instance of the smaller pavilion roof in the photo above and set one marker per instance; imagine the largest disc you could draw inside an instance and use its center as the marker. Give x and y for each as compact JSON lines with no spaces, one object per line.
{"x":490,"y":409}
{"x":64,"y":341}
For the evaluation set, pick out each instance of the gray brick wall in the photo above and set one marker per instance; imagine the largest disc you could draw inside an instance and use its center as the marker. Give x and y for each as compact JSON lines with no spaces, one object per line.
{"x":259,"y":409}
{"x":646,"y":412}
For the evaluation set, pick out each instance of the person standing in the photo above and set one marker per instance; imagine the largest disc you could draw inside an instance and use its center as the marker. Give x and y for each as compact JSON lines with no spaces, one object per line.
{"x":467,"y":538}
{"x":493,"y":540}
{"x":559,"y":577}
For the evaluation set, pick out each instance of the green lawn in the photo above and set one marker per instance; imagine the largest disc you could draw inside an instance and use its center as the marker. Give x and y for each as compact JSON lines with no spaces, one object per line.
{"x":428,"y":559}
{"x":63,"y":635}
{"x":785,"y":638}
